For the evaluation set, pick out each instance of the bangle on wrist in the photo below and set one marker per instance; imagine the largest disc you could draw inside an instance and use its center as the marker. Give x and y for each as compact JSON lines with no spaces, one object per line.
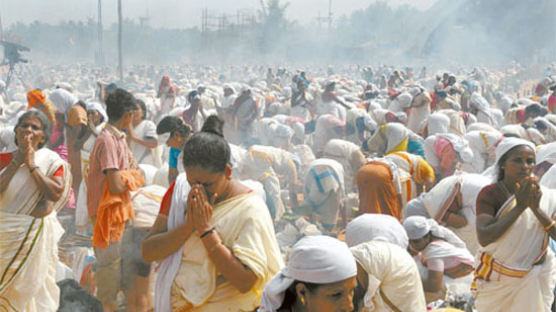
{"x":206,"y":233}
{"x":548,"y":227}
{"x":213,"y":248}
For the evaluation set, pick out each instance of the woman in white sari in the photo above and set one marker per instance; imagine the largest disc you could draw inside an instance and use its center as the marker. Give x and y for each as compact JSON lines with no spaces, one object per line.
{"x":515,"y":217}
{"x":29,"y":230}
{"x":215,"y":237}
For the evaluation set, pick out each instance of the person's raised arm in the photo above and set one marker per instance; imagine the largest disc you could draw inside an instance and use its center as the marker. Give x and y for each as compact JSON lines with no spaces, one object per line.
{"x":547,"y":222}
{"x":239,"y":275}
{"x":161,"y":243}
{"x":490,"y":228}
{"x":51,"y":187}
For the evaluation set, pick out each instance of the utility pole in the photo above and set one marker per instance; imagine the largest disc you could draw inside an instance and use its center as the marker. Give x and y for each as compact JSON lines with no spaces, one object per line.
{"x":1,"y":28}
{"x":100,"y":56}
{"x":120,"y":58}
{"x":329,"y":15}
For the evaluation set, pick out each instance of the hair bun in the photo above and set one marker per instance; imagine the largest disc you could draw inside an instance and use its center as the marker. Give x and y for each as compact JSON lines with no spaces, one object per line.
{"x":213,"y":124}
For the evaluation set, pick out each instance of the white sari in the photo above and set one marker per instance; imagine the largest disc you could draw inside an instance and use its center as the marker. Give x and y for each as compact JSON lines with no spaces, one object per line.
{"x":29,"y":246}
{"x":509,"y":276}
{"x":143,"y":154}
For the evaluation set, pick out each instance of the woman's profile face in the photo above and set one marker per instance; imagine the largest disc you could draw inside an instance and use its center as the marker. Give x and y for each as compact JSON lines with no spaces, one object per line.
{"x":333,"y":297}
{"x":419,"y":244}
{"x":137,"y":116}
{"x":519,"y":164}
{"x":95,"y":116}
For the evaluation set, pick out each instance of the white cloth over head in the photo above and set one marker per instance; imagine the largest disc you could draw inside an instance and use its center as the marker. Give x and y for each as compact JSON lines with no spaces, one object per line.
{"x":62,"y":100}
{"x":99,"y":108}
{"x":417,"y":227}
{"x":376,"y":227}
{"x":503,"y":147}
{"x":313,"y":259}
{"x":460,"y":145}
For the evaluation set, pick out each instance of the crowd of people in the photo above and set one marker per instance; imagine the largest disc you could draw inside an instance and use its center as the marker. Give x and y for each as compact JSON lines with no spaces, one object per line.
{"x":194,"y":188}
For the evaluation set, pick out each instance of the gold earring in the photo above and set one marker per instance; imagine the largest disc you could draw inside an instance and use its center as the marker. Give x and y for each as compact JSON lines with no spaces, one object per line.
{"x":302,"y":300}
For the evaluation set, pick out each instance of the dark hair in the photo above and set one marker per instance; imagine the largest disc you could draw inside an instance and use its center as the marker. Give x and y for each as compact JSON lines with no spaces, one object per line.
{"x":536,"y":109}
{"x":213,"y":124}
{"x":82,"y":104}
{"x":291,"y":295}
{"x":208,"y":149}
{"x":118,"y":103}
{"x":44,"y":122}
{"x":140,"y":103}
{"x":172,"y":124}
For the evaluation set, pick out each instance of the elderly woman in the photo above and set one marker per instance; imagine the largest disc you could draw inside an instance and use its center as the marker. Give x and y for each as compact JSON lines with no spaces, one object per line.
{"x":387,"y":277}
{"x":320,"y":277}
{"x":214,"y":236}
{"x":28,"y":224}
{"x":445,"y":257}
{"x":515,"y":218}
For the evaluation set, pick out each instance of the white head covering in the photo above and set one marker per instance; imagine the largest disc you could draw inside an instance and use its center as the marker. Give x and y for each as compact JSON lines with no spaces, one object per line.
{"x":547,"y":153}
{"x":418,"y":226}
{"x":98,"y":107}
{"x":460,"y":145}
{"x":62,"y":100}
{"x":313,"y":259}
{"x":375,"y":227}
{"x":503,"y":147}
{"x":284,"y":132}
{"x":438,"y":123}
{"x":229,"y":86}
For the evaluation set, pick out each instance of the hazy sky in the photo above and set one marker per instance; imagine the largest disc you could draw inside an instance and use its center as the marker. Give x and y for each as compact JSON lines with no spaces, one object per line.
{"x":171,"y":13}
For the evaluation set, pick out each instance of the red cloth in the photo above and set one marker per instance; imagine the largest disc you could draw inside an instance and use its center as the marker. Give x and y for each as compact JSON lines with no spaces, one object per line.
{"x":115,"y":209}
{"x":5,"y":159}
{"x":433,"y":98}
{"x":490,"y":200}
{"x":552,"y":104}
{"x":520,"y":115}
{"x":166,"y":202}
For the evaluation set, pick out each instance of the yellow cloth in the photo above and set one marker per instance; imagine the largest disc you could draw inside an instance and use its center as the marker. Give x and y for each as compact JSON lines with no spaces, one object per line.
{"x":393,"y":278}
{"x":246,"y":228}
{"x":415,"y":165}
{"x":77,"y":115}
{"x":28,"y":246}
